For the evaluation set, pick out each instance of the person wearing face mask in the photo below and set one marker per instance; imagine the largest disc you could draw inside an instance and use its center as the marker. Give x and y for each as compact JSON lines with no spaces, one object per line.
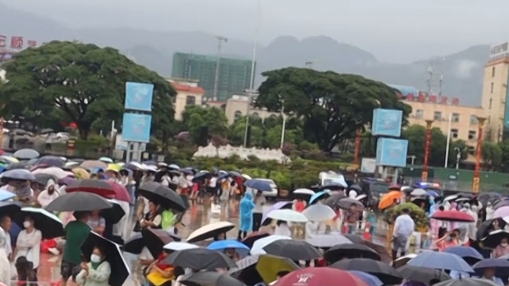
{"x":28,"y":249}
{"x":96,"y":272}
{"x":501,"y":249}
{"x":449,"y":240}
{"x":49,"y":194}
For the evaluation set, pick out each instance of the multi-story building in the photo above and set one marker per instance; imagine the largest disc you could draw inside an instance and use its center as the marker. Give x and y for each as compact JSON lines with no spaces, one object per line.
{"x":495,"y":93}
{"x":234,"y":74}
{"x":239,"y":105}
{"x":188,"y":93}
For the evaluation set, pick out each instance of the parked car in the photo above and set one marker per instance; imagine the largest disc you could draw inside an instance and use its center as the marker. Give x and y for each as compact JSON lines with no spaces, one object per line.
{"x":269,"y":195}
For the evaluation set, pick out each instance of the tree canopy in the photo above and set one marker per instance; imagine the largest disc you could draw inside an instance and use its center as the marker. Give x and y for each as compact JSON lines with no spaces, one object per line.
{"x":80,"y":83}
{"x":333,"y":106}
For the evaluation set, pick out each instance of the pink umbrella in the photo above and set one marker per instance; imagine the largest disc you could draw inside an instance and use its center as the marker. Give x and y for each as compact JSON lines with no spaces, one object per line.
{"x":501,"y":212}
{"x":276,"y":206}
{"x":121,"y":192}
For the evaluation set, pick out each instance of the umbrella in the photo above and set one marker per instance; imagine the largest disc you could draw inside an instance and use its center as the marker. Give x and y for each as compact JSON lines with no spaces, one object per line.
{"x":49,"y":224}
{"x":420,"y":274}
{"x":18,"y":174}
{"x":488,"y":197}
{"x":501,"y":266}
{"x":287,"y":215}
{"x":303,"y":192}
{"x":67,"y":181}
{"x":485,"y":227}
{"x":6,"y":195}
{"x":91,"y":164}
{"x":388,"y":199}
{"x":502,"y":203}
{"x":254,"y":236}
{"x":276,"y":206}
{"x":81,"y":173}
{"x":98,"y":187}
{"x":8,"y":159}
{"x":259,"y":185}
{"x":319,"y":213}
{"x":440,"y":260}
{"x":333,"y":201}
{"x":155,"y":240}
{"x":346,"y":203}
{"x":293,"y":249}
{"x":349,"y":250}
{"x":327,"y":240}
{"x":501,"y":212}
{"x":44,"y":178}
{"x":383,"y":271}
{"x":199,"y":258}
{"x":134,"y":244}
{"x":354,"y":238}
{"x":245,"y":270}
{"x":469,"y":254}
{"x":78,"y":201}
{"x":114,"y":214}
{"x":202,"y":175}
{"x":106,"y":160}
{"x":119,"y":269}
{"x":269,"y":265}
{"x":210,"y":230}
{"x":385,"y":256}
{"x":121,"y":192}
{"x":50,"y":161}
{"x":493,"y":239}
{"x":319,"y":276}
{"x":432,"y":193}
{"x":222,"y":245}
{"x":9,"y":209}
{"x":455,"y":216}
{"x":162,"y":195}
{"x":262,"y":242}
{"x":179,"y":245}
{"x":371,"y":280}
{"x":15,"y":166}
{"x":419,"y":193}
{"x":403,"y":260}
{"x":467,"y":282}
{"x":26,"y":154}
{"x":210,"y":278}
{"x":319,"y":196}
{"x":55,"y":171}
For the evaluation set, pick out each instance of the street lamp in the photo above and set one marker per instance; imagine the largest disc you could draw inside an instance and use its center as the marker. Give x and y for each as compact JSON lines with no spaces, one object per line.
{"x":427,"y":146}
{"x":413,"y":158}
{"x":458,"y":156}
{"x":478,"y":154}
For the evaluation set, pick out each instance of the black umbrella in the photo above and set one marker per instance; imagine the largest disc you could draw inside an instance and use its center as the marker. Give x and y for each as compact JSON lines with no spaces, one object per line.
{"x":246,"y":271}
{"x":50,"y":161}
{"x":346,"y":203}
{"x":49,"y":224}
{"x":113,"y":254}
{"x":493,"y":239}
{"x":349,"y":250}
{"x":155,"y":239}
{"x":199,"y":258}
{"x":26,"y":154}
{"x":356,"y":188}
{"x":78,"y":201}
{"x":9,"y":209}
{"x":43,"y":179}
{"x":134,"y":244}
{"x":292,"y":249}
{"x":16,"y":166}
{"x":210,"y":278}
{"x":334,"y":200}
{"x":114,"y":214}
{"x":162,"y":195}
{"x":381,"y":270}
{"x":421,"y":274}
{"x":486,"y":227}
{"x":354,"y":238}
{"x":467,"y":282}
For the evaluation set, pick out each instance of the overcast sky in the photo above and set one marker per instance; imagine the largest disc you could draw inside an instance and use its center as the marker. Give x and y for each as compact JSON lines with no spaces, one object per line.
{"x":393,"y":30}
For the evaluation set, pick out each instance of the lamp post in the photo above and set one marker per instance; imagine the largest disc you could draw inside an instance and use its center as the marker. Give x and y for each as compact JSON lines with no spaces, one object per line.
{"x":458,"y":157}
{"x":357,"y":147}
{"x":478,"y":153}
{"x":412,"y":157}
{"x":427,"y":145}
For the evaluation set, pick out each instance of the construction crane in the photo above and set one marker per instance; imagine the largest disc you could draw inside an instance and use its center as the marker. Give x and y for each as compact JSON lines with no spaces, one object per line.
{"x":220,"y":41}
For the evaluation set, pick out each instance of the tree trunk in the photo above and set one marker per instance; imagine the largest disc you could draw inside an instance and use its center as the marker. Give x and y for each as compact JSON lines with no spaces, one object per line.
{"x":83,"y":129}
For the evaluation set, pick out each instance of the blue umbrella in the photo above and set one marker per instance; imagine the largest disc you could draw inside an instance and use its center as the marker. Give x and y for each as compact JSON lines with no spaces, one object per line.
{"x":50,"y":161}
{"x":259,"y":185}
{"x":6,"y":195}
{"x":440,"y":260}
{"x":432,"y":193}
{"x":18,"y":174}
{"x":221,"y":245}
{"x":501,"y":266}
{"x":318,"y":196}
{"x":469,"y":254}
{"x":369,"y":279}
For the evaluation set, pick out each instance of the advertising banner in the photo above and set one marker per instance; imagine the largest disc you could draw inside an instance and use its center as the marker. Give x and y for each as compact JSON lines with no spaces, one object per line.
{"x":136,"y":127}
{"x":387,"y":122}
{"x":391,"y":152}
{"x":138,"y":96}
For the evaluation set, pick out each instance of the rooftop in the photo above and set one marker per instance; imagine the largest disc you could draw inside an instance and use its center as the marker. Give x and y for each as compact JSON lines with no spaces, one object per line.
{"x":187,"y":88}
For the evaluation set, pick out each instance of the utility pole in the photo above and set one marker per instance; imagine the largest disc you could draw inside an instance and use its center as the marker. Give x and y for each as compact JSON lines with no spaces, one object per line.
{"x":220,"y":41}
{"x":309,"y":65}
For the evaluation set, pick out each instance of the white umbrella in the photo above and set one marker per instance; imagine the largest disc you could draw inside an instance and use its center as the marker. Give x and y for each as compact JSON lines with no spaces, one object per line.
{"x":246,"y":177}
{"x":403,"y":260}
{"x":360,"y":197}
{"x":262,"y":242}
{"x":287,"y":215}
{"x":304,"y":191}
{"x":71,"y":164}
{"x":54,"y":171}
{"x":319,"y":213}
{"x":174,"y":167}
{"x":176,"y":246}
{"x":418,"y":193}
{"x":327,"y":240}
{"x":106,"y":160}
{"x":210,"y":230}
{"x":450,"y":198}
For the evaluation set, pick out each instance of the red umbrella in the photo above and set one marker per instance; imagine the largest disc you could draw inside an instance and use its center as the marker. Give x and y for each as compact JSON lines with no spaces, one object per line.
{"x":452,"y":216}
{"x":319,"y":276}
{"x":98,"y":187}
{"x":121,"y":192}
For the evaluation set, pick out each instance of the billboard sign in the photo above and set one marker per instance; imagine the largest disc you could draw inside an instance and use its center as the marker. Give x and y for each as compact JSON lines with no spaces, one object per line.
{"x":138,"y":96}
{"x":391,"y":152}
{"x":499,"y":51}
{"x":136,"y":127}
{"x":368,"y":165}
{"x":387,"y":122}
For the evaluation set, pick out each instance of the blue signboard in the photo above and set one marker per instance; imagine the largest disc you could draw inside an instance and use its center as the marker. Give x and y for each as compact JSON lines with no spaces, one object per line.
{"x":387,"y":122}
{"x":136,"y":127}
{"x":138,"y":96}
{"x":391,"y":152}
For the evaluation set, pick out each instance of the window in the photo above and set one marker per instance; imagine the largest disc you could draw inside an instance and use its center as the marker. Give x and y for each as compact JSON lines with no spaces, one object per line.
{"x":455,"y":117}
{"x":255,"y":115}
{"x":491,"y":101}
{"x":493,"y":72}
{"x":492,"y":86}
{"x":471,"y":134}
{"x":238,"y":115}
{"x":190,"y":100}
{"x":419,"y":113}
{"x":471,"y":150}
{"x":473,"y":119}
{"x":454,"y":133}
{"x":437,"y":116}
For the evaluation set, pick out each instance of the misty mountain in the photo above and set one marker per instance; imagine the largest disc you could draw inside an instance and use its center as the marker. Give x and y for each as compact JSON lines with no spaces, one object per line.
{"x":462,"y":71}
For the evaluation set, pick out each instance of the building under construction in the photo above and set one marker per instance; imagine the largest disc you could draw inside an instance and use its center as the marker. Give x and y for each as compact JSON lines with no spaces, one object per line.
{"x":234,"y":74}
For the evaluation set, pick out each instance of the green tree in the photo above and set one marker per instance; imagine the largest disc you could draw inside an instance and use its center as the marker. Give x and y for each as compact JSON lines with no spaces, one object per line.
{"x":82,"y":83}
{"x":238,"y":132}
{"x":416,"y":136}
{"x":196,"y":117}
{"x":455,"y":147}
{"x":491,"y":155}
{"x":504,"y":147}
{"x":333,"y":106}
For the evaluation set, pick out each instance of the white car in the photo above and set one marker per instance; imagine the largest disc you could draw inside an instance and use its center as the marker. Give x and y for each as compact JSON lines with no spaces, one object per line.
{"x":272,"y":194}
